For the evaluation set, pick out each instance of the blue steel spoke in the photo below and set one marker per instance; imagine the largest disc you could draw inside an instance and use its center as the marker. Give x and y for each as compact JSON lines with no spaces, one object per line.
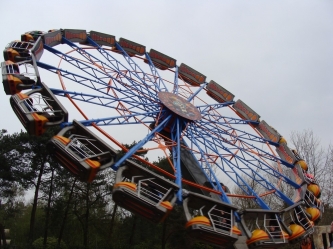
{"x":250,"y":161}
{"x":108,"y":101}
{"x":245,"y":167}
{"x":230,"y":120}
{"x":115,"y":64}
{"x":175,"y":136}
{"x":88,"y":69}
{"x":237,"y":178}
{"x":141,"y":143}
{"x":132,"y":72}
{"x":207,"y":169}
{"x":202,"y":86}
{"x":129,"y":95}
{"x":156,"y":75}
{"x":233,"y":139}
{"x":175,"y":82}
{"x":136,"y":68}
{"x":129,"y":119}
{"x":96,"y":73}
{"x":75,"y":77}
{"x":226,"y":129}
{"x":204,"y":109}
{"x":216,"y":144}
{"x":266,"y":184}
{"x":248,"y":190}
{"x":240,"y":181}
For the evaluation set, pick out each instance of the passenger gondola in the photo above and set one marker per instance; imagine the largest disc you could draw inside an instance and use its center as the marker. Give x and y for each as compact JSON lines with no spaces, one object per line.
{"x":38,"y":109}
{"x":144,"y":192}
{"x":81,"y":152}
{"x":264,"y":228}
{"x":14,"y":80}
{"x":210,"y":220}
{"x":298,"y":222}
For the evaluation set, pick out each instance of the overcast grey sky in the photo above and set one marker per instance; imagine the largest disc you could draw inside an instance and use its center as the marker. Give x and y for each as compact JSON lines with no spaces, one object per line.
{"x":277,"y":56}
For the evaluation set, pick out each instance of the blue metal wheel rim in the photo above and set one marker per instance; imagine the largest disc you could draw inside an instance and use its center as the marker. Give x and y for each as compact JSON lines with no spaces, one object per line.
{"x":128,"y":88}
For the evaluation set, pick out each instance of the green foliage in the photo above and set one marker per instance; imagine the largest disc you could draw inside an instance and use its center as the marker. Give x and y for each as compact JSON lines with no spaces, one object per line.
{"x":52,"y":243}
{"x":14,"y":154}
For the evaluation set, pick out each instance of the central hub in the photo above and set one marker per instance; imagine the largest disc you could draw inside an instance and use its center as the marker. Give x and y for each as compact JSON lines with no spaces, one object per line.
{"x":179,"y":106}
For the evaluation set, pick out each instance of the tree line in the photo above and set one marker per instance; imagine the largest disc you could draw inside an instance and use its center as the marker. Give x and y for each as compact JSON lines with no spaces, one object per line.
{"x":66,"y":213}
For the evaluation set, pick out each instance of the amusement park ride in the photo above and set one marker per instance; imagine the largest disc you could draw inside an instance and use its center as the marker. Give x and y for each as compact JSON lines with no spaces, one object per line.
{"x":172,"y":111}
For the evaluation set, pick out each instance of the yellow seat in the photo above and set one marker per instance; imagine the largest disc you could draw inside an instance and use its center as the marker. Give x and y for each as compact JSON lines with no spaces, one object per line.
{"x":314,"y":189}
{"x":129,"y":185}
{"x":296,"y":230}
{"x":303,"y":165}
{"x":167,"y":205}
{"x":314,"y":212}
{"x":236,"y":231}
{"x":62,"y":139}
{"x":199,"y":220}
{"x":257,"y":235}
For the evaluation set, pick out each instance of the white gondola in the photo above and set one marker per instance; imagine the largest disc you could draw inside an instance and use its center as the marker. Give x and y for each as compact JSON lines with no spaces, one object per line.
{"x":298,"y":221}
{"x":38,"y":110}
{"x":14,"y":80}
{"x":81,"y":152}
{"x":210,"y":220}
{"x":314,"y":206}
{"x":264,"y":228}
{"x":144,"y":192}
{"x":17,"y":51}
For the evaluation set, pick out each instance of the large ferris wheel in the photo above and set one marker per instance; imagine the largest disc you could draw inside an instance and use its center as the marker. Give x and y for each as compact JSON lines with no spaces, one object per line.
{"x":104,"y":93}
